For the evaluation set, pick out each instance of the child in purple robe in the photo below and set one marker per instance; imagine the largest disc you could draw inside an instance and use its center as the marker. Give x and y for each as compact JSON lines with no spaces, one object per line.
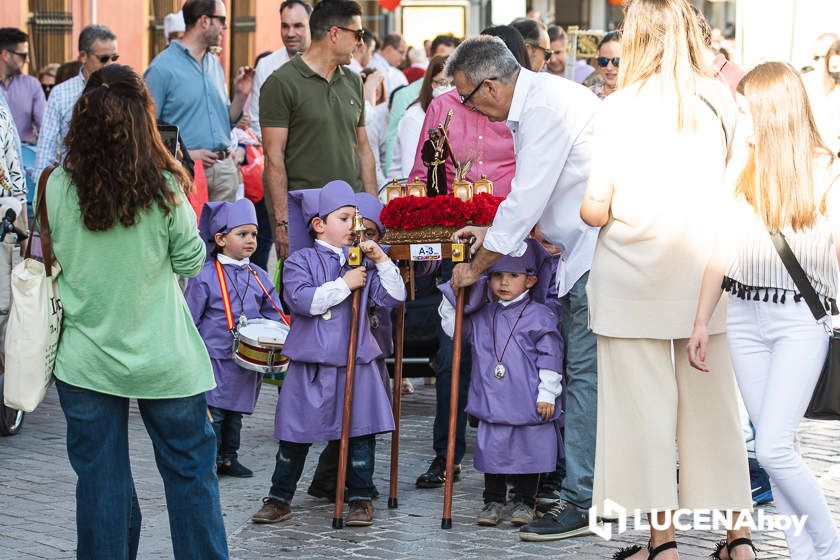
{"x":230,"y":232}
{"x":515,"y":381}
{"x":317,"y":287}
{"x":323,"y":481}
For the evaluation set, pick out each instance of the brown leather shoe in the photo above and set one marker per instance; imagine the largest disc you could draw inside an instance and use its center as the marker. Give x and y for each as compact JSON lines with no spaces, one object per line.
{"x":272,"y":511}
{"x":361,"y":513}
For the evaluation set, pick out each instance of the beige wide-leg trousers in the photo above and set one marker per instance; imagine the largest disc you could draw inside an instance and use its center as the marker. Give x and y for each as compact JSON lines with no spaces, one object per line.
{"x":648,"y":398}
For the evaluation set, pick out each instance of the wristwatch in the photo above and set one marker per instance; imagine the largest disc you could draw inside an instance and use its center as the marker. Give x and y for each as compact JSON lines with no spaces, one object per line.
{"x":283,"y":224}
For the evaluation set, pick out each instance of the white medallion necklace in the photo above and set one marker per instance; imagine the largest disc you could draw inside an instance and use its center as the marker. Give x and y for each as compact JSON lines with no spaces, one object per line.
{"x":500,"y":370}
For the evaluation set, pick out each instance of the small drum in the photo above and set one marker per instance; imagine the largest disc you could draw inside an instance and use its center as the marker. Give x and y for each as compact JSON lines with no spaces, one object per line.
{"x":258,"y":347}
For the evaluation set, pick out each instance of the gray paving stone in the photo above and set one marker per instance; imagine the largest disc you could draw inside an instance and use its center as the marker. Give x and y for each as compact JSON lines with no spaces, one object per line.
{"x":37,"y":499}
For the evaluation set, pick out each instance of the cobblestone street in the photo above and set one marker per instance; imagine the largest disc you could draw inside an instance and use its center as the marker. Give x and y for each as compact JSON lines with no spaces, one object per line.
{"x":37,"y":499}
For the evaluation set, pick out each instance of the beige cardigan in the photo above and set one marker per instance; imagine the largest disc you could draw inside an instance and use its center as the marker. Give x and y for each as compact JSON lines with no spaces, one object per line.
{"x":668,"y":187}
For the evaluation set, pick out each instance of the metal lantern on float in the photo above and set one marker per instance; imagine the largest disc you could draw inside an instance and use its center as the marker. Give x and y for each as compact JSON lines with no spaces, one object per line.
{"x":393,"y":190}
{"x":462,"y":189}
{"x":415,"y":188}
{"x":483,"y":185}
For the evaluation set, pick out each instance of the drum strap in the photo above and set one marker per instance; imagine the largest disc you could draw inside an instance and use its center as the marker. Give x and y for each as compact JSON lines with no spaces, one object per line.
{"x":220,"y":274}
{"x":283,"y":316}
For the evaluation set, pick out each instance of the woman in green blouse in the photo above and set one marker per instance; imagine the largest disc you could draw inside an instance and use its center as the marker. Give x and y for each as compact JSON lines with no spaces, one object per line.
{"x":122,"y":229}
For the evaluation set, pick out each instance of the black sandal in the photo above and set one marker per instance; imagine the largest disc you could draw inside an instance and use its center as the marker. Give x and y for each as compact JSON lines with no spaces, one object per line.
{"x":631,"y":550}
{"x":729,"y":546}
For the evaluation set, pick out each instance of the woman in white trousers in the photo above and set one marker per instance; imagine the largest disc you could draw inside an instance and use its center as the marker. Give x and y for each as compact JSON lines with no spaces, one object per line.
{"x":786,"y":181}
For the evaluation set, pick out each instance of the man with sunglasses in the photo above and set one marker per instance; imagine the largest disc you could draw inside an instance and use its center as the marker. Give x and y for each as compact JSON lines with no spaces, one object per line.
{"x":312,"y":114}
{"x":23,"y":92}
{"x":537,"y":42}
{"x":550,"y":119}
{"x":97,"y":47}
{"x":188,"y":84}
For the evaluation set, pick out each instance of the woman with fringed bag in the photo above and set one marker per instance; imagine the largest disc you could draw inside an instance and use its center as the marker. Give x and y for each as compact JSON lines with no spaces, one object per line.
{"x":788,"y":183}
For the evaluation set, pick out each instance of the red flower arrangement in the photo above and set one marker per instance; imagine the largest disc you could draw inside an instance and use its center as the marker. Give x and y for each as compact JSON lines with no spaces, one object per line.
{"x":415,"y":212}
{"x":484,"y":208}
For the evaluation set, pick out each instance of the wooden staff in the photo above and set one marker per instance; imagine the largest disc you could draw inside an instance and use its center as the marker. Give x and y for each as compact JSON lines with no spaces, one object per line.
{"x":446,"y":521}
{"x":354,"y":258}
{"x":396,"y":402}
{"x":344,"y":445}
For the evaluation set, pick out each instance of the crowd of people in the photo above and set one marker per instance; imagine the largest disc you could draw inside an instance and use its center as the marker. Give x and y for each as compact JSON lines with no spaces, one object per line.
{"x":601,"y":359}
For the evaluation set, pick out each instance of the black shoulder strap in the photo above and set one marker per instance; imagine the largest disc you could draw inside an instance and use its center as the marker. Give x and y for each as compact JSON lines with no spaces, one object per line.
{"x":798,"y":275}
{"x":717,"y":114}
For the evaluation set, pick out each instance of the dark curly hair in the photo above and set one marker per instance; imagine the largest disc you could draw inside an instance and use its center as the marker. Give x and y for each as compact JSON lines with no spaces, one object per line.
{"x":115,"y":155}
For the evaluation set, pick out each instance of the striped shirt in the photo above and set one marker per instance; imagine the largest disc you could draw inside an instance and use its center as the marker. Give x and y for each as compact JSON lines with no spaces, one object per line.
{"x":56,"y":122}
{"x":756,"y":271}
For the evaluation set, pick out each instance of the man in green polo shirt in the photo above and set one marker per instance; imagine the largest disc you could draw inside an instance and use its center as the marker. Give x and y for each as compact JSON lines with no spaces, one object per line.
{"x":312,"y":115}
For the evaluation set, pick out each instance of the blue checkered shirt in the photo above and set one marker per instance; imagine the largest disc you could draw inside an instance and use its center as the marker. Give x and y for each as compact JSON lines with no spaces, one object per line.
{"x":56,"y":122}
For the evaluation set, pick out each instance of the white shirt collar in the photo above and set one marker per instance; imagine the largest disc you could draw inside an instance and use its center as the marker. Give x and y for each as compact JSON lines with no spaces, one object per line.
{"x":520,"y":93}
{"x":337,"y":250}
{"x":519,"y":298}
{"x":224,"y":259}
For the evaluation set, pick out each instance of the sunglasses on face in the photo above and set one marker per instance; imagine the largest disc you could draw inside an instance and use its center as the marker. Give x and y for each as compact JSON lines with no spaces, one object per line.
{"x":603,"y":61}
{"x":221,"y":19}
{"x":22,"y":55}
{"x":358,"y":33}
{"x":104,"y":58}
{"x":546,"y":52}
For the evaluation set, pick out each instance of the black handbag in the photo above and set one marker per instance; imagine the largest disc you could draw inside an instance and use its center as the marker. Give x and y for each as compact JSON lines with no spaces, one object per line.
{"x":825,"y":403}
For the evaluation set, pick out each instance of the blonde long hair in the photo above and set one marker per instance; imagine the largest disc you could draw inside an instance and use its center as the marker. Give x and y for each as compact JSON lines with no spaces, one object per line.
{"x":663,"y":37}
{"x":778,"y":177}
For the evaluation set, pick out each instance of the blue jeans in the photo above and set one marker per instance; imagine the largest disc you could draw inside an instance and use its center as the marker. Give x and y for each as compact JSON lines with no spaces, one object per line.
{"x":226,"y":426}
{"x":291,"y":457}
{"x":107,"y":511}
{"x":581,"y":396}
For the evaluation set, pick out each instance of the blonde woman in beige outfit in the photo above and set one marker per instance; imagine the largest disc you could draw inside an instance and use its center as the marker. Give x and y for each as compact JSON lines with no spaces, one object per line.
{"x":656,"y":181}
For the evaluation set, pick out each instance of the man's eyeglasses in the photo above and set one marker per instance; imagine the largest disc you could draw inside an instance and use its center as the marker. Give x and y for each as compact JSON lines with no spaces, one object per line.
{"x":603,"y":61}
{"x":104,"y":58}
{"x":22,"y":55}
{"x":473,"y":92}
{"x":358,"y":33}
{"x":222,"y":19}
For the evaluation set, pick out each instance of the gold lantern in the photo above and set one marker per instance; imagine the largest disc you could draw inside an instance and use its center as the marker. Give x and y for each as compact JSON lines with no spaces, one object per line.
{"x":483,"y":185}
{"x":462,"y":189}
{"x":415,"y":188}
{"x":393,"y":190}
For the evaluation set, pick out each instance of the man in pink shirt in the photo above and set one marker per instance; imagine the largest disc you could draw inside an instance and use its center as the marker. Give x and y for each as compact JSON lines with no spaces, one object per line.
{"x":490,"y":147}
{"x":471,"y":136}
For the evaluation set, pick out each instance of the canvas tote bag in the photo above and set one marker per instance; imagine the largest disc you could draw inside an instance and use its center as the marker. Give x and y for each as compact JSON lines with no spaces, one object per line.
{"x":34,"y":325}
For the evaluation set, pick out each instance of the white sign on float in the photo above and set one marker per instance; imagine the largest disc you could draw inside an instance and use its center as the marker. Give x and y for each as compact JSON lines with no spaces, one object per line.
{"x":426,"y":252}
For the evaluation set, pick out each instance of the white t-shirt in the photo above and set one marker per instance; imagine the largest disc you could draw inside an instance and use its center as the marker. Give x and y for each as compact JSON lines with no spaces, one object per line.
{"x":409,"y":132}
{"x":264,"y":69}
